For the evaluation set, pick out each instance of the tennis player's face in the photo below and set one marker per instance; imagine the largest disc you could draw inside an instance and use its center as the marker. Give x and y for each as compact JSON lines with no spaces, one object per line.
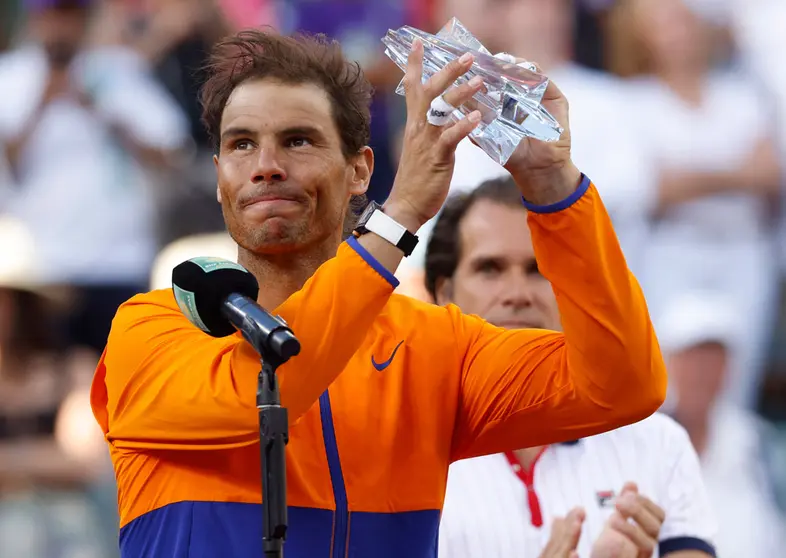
{"x":283,"y":182}
{"x":497,"y":276}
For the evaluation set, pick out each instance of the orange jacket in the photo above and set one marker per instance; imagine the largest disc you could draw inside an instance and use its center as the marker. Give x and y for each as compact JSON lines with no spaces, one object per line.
{"x":385,"y":394}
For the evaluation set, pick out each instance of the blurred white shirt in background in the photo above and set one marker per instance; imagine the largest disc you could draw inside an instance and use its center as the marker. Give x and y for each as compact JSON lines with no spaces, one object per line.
{"x":724,"y":242}
{"x":88,"y":202}
{"x":740,"y":487}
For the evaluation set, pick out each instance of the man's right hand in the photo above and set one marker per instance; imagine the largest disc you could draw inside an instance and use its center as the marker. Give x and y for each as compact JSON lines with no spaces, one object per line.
{"x":633,"y":529}
{"x":428,"y":155}
{"x":565,"y":535}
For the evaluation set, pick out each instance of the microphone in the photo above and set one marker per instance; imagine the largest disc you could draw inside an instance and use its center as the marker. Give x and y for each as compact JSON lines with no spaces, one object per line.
{"x":219,"y":296}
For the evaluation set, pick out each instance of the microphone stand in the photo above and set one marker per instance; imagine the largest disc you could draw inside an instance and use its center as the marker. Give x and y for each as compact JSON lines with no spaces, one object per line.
{"x":273,"y":437}
{"x":272,"y":338}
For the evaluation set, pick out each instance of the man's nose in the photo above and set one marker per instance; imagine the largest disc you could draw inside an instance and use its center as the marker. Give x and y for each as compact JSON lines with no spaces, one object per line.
{"x":518,"y":290}
{"x":269,"y":167}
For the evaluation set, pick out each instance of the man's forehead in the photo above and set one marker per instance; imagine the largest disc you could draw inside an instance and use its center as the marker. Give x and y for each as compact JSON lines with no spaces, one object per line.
{"x":271,"y":103}
{"x":492,"y":229}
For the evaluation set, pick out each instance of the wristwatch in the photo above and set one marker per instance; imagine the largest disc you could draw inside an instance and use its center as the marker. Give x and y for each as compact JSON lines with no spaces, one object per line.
{"x":373,"y":219}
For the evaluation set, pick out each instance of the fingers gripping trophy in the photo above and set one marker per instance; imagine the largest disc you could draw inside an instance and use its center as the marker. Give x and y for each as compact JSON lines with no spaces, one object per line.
{"x":502,"y":103}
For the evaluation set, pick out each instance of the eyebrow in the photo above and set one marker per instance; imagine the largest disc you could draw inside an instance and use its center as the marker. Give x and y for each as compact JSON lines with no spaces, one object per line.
{"x":486,"y":259}
{"x":235,"y":132}
{"x":311,"y":131}
{"x":239,"y":131}
{"x":499,"y":259}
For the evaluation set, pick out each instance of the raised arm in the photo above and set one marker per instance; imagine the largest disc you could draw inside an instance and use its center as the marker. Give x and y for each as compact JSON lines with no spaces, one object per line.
{"x":162,"y":383}
{"x":523,"y":388}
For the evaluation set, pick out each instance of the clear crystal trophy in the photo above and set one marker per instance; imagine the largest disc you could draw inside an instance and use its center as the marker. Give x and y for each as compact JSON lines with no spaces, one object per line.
{"x":509,"y":103}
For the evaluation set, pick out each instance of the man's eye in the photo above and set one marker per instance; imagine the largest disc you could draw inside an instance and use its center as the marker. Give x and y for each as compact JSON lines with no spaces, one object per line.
{"x":243,"y":145}
{"x":298,"y":142}
{"x":488,"y":268}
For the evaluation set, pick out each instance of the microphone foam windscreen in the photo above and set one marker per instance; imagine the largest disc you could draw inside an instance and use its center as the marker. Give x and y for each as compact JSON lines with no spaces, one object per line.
{"x":201,"y":285}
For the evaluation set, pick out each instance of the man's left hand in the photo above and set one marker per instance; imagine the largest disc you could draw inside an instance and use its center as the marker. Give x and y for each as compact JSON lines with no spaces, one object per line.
{"x":544,"y":170}
{"x":634,"y":528}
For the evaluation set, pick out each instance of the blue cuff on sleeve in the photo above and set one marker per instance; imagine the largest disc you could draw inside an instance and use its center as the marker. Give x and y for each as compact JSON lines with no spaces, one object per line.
{"x":560,"y":205}
{"x":372,"y":261}
{"x":678,"y":544}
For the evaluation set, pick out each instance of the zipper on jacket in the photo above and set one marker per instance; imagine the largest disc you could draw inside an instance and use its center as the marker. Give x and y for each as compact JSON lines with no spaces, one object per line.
{"x":336,"y":478}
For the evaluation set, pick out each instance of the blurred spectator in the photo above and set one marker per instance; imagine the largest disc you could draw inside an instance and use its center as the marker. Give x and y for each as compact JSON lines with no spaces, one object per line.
{"x":249,"y":13}
{"x":758,"y":28}
{"x":734,"y":445}
{"x":603,"y":144}
{"x":712,"y":140}
{"x":81,"y":128}
{"x":588,"y":37}
{"x":175,"y":38}
{"x":51,"y":451}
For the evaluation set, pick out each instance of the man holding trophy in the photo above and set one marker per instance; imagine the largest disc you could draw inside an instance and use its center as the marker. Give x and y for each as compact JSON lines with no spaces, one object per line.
{"x":386,"y":391}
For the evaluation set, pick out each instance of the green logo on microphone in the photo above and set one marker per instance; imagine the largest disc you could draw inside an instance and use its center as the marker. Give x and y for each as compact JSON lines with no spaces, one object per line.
{"x":209,"y":264}
{"x":187,"y":304}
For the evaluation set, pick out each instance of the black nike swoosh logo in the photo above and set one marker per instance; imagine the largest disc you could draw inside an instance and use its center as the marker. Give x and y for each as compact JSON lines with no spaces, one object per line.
{"x":382,"y":365}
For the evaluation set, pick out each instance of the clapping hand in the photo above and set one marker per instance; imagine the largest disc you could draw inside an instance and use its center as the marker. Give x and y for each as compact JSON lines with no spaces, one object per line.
{"x":633,"y":529}
{"x":565,"y":534}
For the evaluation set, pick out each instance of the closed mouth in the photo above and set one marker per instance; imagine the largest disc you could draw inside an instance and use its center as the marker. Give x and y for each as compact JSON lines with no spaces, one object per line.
{"x":263,"y":199}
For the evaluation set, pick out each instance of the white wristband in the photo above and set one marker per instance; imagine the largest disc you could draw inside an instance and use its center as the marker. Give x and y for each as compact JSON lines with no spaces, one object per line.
{"x":386,"y":227}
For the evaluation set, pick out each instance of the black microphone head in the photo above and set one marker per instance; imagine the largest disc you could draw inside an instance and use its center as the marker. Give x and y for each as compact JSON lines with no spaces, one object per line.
{"x":201,"y":285}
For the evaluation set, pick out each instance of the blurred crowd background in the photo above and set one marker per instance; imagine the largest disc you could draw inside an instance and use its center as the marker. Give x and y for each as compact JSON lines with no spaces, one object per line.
{"x":106,"y":182}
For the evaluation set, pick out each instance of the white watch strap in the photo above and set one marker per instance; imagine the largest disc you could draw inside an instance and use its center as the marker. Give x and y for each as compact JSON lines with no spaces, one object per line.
{"x":384,"y":226}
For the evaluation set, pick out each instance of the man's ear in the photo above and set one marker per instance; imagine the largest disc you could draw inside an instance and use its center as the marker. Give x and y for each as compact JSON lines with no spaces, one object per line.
{"x":218,"y":190}
{"x":443,"y":291}
{"x":362,"y":169}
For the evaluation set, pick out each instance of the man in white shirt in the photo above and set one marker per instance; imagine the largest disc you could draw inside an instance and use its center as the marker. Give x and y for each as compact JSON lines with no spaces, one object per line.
{"x":503,"y":505}
{"x":733,"y":443}
{"x":81,"y":129}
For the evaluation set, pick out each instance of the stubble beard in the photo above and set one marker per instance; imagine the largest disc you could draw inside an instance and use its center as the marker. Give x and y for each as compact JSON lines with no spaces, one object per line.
{"x":274,"y":236}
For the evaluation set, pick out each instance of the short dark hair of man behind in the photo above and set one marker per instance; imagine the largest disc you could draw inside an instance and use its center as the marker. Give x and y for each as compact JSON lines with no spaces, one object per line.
{"x":444,"y":247}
